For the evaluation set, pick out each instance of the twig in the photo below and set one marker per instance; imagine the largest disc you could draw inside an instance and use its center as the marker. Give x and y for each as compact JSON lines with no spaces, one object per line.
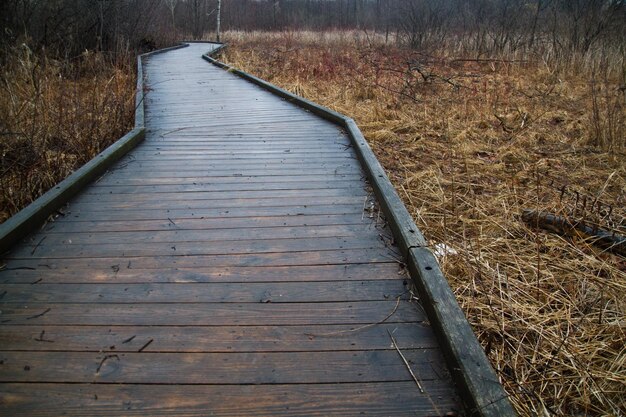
{"x":521,"y":61}
{"x":417,"y":382}
{"x":173,"y":131}
{"x":37,"y":245}
{"x":41,"y":339}
{"x":38,"y":315}
{"x":360,"y":327}
{"x":406,"y":363}
{"x":146,"y":345}
{"x":104,"y":360}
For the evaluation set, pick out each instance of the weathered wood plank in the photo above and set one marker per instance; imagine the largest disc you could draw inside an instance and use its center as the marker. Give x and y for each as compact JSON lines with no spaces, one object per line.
{"x":132,"y":204}
{"x":214,"y":195}
{"x":314,"y":400}
{"x":212,"y":168}
{"x":296,"y":182}
{"x":180,"y":249}
{"x":313,"y":338}
{"x":225,"y":213}
{"x":214,"y":314}
{"x":221,"y":186}
{"x":243,"y":158}
{"x":89,"y":237}
{"x":335,"y":171}
{"x":267,"y":292}
{"x":229,"y":146}
{"x":215,"y":368}
{"x":191,"y":175}
{"x":238,"y":274}
{"x":227,"y":153}
{"x":214,"y":224}
{"x":329,"y":257}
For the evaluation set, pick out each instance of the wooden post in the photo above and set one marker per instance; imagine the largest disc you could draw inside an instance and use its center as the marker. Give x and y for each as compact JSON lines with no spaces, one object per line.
{"x":219,"y":18}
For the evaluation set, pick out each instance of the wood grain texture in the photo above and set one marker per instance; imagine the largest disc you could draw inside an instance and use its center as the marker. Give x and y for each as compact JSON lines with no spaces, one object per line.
{"x":234,"y":274}
{"x":180,"y":234}
{"x":192,"y":248}
{"x":213,"y":314}
{"x":235,"y":263}
{"x":206,"y":224}
{"x":217,"y":368}
{"x":331,"y":256}
{"x":320,"y":400}
{"x":262,"y":292}
{"x":216,"y":339}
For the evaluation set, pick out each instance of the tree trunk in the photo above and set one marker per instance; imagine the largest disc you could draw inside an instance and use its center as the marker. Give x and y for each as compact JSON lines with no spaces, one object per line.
{"x":219,"y":19}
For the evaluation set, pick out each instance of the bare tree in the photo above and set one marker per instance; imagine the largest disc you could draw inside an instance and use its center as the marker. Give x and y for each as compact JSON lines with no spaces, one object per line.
{"x":171,"y":5}
{"x":219,"y":19}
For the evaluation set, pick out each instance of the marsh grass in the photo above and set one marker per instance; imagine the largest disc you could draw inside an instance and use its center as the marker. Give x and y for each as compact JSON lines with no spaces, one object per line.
{"x":55,"y":115}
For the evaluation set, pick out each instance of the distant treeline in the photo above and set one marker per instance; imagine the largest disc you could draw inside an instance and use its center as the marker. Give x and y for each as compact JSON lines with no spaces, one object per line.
{"x":69,"y":26}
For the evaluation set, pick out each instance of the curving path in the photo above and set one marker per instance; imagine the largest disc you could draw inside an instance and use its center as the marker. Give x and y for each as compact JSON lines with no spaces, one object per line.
{"x":234,"y":263}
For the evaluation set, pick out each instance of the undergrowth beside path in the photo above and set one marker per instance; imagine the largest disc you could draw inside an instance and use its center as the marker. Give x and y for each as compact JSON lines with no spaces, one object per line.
{"x":55,"y":115}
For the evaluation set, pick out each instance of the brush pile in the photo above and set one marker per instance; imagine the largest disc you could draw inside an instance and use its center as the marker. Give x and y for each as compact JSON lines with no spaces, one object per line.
{"x":469,"y":145}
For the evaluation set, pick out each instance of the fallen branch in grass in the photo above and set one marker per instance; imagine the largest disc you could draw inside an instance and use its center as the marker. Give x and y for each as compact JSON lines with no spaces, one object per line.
{"x":605,"y":239}
{"x":506,"y":61}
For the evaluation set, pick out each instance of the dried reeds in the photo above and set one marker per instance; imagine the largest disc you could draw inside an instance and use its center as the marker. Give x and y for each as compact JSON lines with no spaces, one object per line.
{"x":469,"y":145}
{"x":55,"y":115}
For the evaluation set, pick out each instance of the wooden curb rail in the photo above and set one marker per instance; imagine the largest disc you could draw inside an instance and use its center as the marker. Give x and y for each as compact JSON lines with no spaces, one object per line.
{"x":476,"y":380}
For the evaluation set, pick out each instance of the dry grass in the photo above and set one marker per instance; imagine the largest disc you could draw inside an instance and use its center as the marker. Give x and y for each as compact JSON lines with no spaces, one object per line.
{"x":55,"y":116}
{"x":469,"y":145}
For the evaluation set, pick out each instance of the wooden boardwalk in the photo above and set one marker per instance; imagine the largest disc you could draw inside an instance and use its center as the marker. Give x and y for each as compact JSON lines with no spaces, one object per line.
{"x":234,"y":263}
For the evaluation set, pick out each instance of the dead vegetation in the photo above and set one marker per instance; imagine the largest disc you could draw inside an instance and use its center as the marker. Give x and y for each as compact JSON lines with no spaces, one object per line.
{"x":470,"y":144}
{"x":55,"y":115}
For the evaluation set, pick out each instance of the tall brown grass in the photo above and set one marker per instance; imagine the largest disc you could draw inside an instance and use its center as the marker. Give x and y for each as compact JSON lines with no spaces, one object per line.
{"x":55,"y":115}
{"x":469,"y":144}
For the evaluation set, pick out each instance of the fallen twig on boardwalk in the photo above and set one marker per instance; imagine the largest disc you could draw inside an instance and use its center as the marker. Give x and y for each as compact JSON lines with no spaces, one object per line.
{"x":146,"y":345}
{"x":395,"y":345}
{"x":104,"y":360}
{"x":38,"y":315}
{"x":356,"y":329}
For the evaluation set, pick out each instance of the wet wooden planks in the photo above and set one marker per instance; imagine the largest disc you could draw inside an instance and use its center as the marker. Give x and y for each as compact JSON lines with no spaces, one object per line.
{"x":233,"y":264}
{"x":381,"y":399}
